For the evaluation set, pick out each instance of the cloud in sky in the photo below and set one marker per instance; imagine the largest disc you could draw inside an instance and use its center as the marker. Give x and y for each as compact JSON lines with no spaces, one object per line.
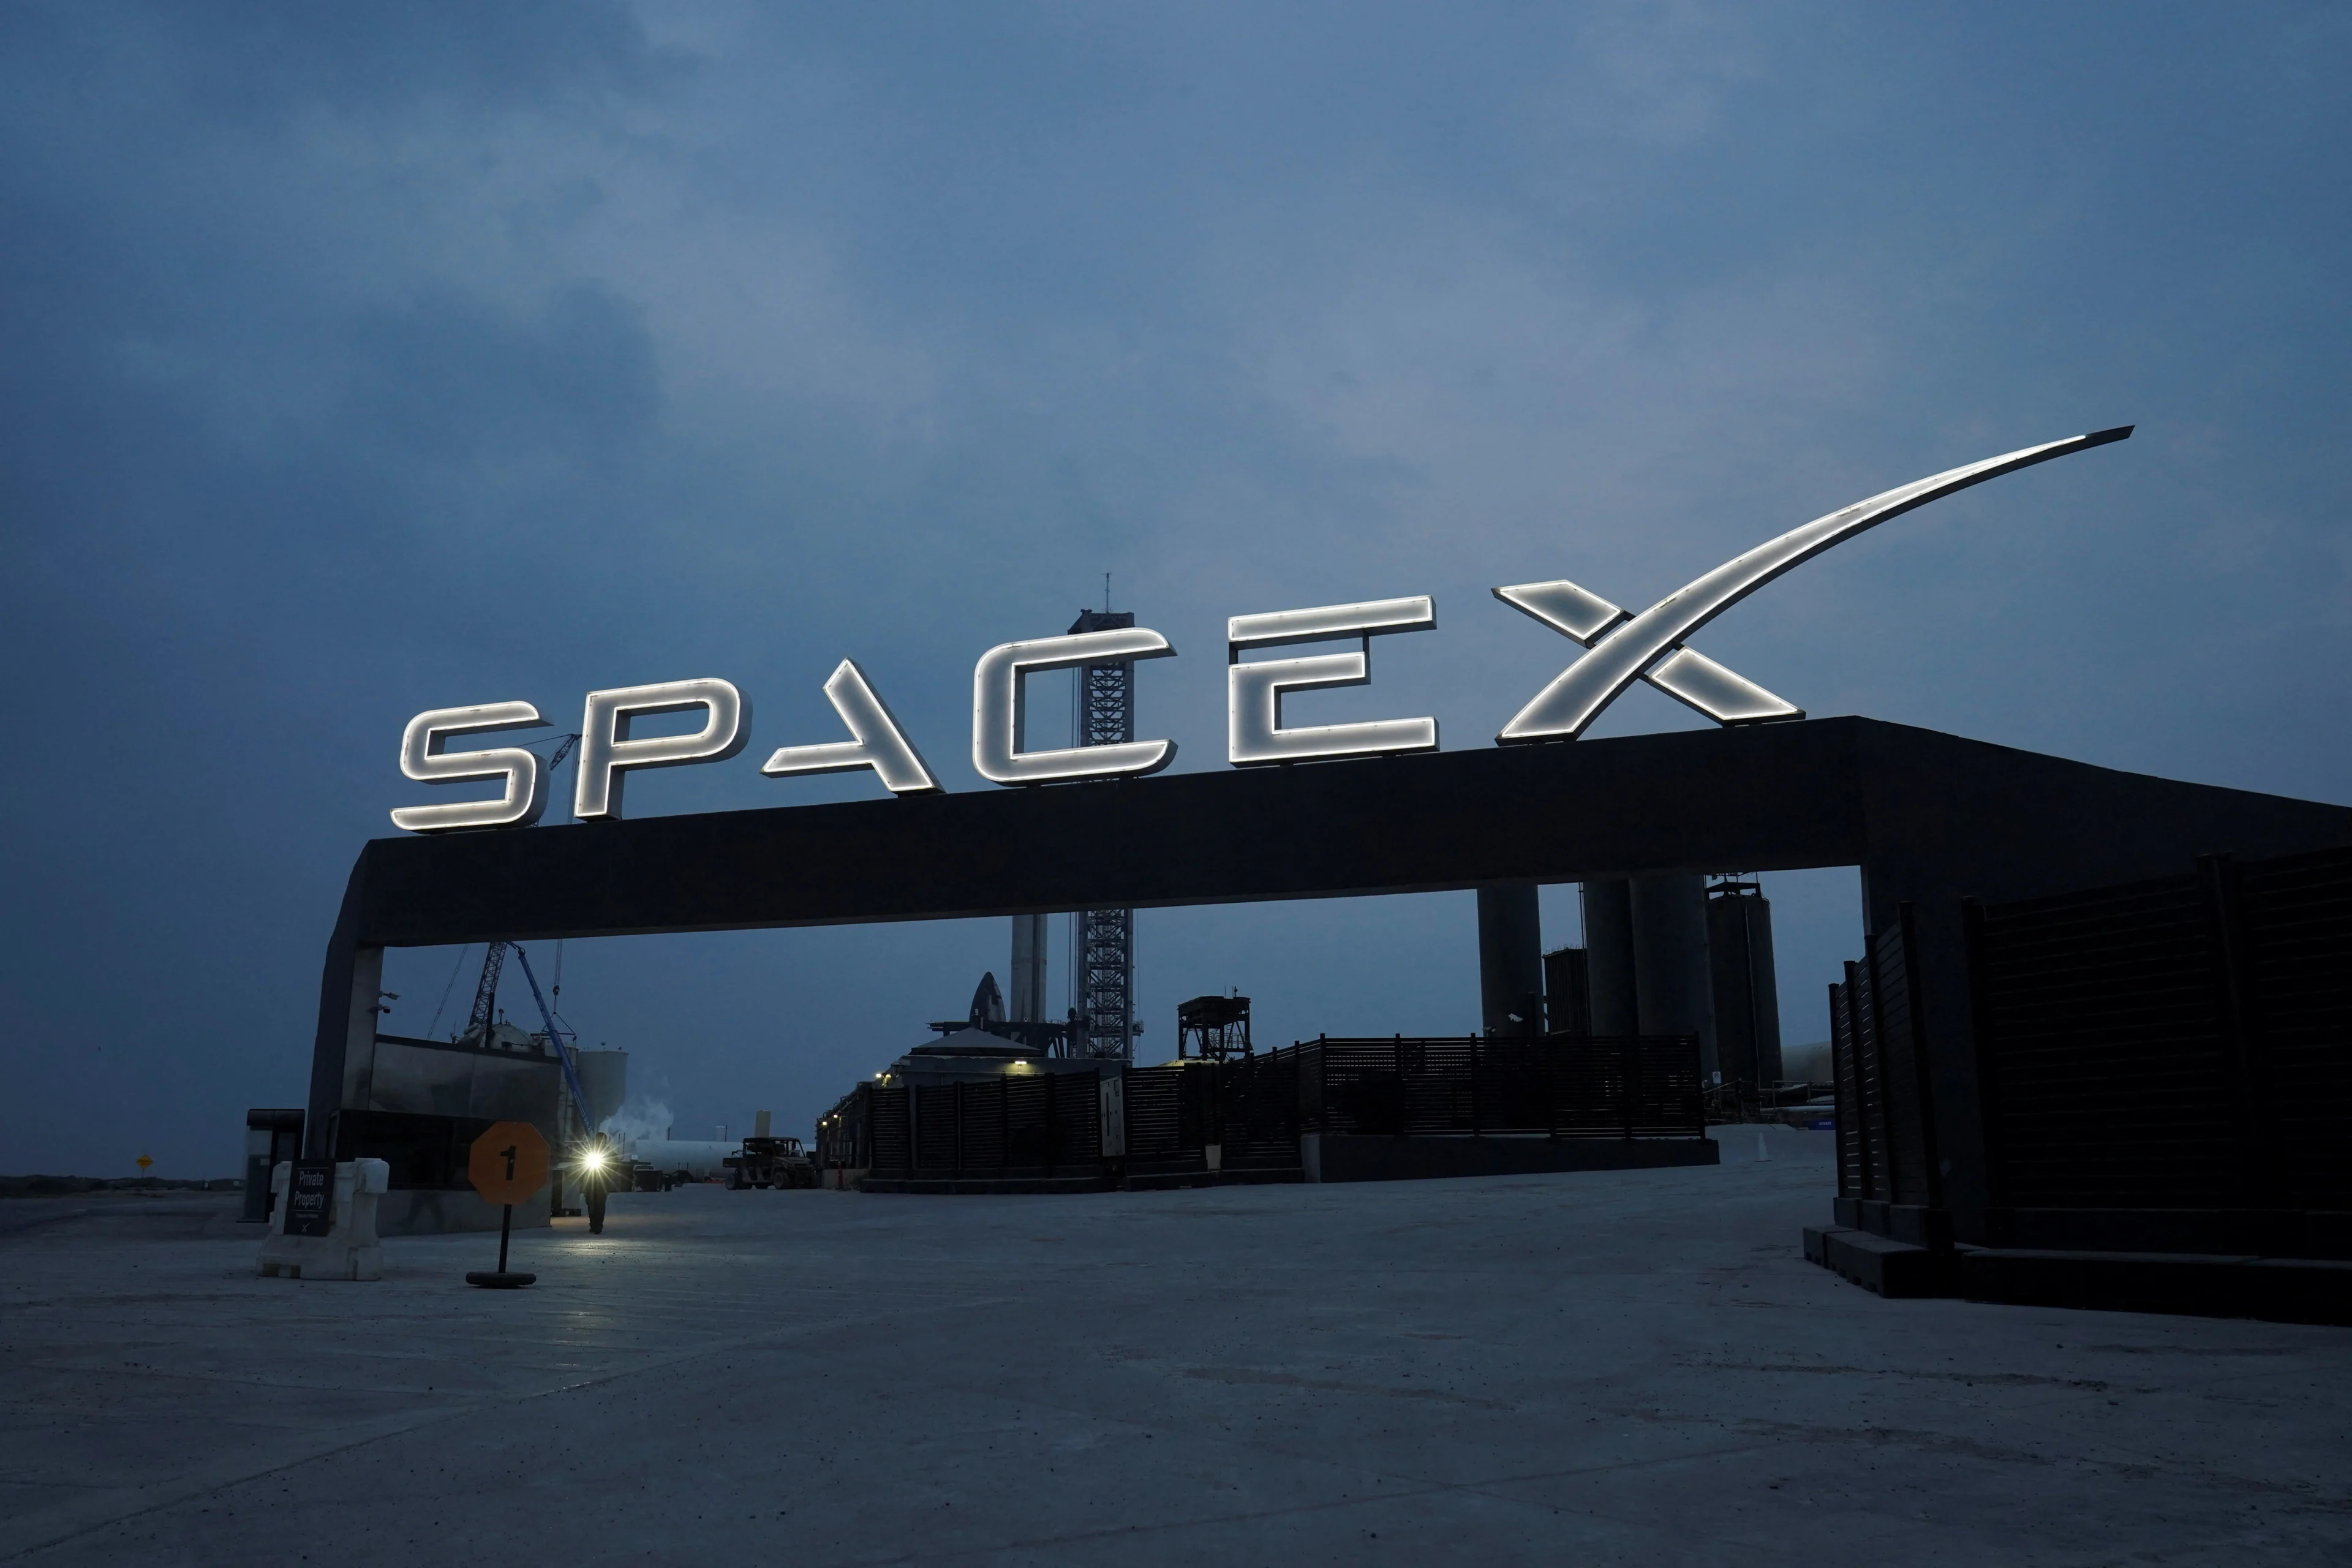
{"x":359,"y":361}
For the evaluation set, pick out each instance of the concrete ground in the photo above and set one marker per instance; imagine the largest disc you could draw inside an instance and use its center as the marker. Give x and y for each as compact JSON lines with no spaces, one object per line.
{"x":1637,"y":1367}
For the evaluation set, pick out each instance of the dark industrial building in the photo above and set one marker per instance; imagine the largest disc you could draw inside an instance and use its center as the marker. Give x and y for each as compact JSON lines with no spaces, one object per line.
{"x":1322,"y":1111}
{"x":980,"y":1050}
{"x":987,"y":1108}
{"x":1668,"y":955}
{"x":418,"y":1103}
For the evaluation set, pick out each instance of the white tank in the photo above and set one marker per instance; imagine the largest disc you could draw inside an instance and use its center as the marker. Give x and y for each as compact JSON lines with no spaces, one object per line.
{"x":604,"y":1079}
{"x":698,"y":1157}
{"x":1806,"y":1063}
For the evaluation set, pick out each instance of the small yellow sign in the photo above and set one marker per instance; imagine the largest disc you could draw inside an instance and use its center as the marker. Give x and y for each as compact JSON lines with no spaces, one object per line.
{"x":509,"y":1163}
{"x":144,"y":1161}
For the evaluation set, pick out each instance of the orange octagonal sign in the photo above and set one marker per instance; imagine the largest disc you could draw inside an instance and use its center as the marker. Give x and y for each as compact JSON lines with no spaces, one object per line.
{"x":509,"y":1163}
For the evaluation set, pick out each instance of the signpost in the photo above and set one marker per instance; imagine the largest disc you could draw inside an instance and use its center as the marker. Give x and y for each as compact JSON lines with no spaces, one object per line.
{"x":506,"y":1165}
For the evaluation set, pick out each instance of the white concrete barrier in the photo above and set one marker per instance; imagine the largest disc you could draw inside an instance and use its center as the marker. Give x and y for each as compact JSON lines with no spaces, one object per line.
{"x":349,"y":1250}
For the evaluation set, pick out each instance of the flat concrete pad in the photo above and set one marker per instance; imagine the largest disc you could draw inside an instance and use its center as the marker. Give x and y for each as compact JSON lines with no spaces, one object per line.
{"x":1891,"y":1269}
{"x":1603,"y":1367}
{"x":1357,"y":1157}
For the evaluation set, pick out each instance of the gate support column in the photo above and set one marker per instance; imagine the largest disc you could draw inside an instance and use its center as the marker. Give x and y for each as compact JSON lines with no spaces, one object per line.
{"x":1510,"y":958}
{"x":1609,"y":955}
{"x":343,"y":1052}
{"x":1672,"y":984}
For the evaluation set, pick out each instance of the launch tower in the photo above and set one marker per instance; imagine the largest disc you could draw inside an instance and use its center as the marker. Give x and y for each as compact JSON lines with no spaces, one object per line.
{"x":1104,"y":940}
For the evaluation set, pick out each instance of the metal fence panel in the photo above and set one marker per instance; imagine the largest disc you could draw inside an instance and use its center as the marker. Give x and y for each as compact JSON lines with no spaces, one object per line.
{"x":1852,"y":1143}
{"x":1562,"y":1085}
{"x":2102,"y":1027}
{"x":2298,"y":916}
{"x":1258,"y":1111}
{"x":938,"y":1127}
{"x":894,"y":1150}
{"x":1909,"y":1125}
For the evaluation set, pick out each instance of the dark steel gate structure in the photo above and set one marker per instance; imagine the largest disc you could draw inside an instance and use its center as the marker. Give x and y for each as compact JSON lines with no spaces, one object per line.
{"x":1931,"y":820}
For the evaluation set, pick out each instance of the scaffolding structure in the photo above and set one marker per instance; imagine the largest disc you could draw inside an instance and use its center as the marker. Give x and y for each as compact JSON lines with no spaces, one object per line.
{"x":1104,"y":940}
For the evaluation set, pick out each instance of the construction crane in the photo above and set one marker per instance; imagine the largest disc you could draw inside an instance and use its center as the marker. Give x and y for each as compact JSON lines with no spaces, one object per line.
{"x":479,"y":1022}
{"x":484,"y":1017}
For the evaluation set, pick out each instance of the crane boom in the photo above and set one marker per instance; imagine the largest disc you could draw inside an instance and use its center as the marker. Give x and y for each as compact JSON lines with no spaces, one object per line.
{"x":486,"y":996}
{"x":555,"y":1038}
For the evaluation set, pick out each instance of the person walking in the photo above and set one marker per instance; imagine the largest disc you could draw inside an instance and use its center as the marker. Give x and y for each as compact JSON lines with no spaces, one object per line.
{"x":598,"y":1162}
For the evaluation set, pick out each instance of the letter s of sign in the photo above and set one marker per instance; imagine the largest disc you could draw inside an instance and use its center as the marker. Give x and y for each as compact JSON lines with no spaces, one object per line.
{"x":608,"y":755}
{"x":1254,"y":734}
{"x":999,"y":703}
{"x":422,"y":759}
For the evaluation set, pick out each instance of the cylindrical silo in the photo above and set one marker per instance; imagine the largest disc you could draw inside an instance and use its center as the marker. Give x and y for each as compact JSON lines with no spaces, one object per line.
{"x":1674,"y":993}
{"x":1609,"y":955}
{"x":1510,"y":958}
{"x":1746,"y":997}
{"x":604,"y":1079}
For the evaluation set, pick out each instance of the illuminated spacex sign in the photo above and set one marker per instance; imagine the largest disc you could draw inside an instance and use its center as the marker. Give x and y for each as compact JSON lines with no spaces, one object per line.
{"x":1620,"y":649}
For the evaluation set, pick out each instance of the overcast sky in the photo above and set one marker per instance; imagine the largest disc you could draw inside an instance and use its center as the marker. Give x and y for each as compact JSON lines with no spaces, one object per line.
{"x":355,"y":361}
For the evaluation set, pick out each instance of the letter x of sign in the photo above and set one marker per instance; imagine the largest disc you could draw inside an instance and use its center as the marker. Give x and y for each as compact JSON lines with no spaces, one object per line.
{"x":1649,"y":646}
{"x":1685,"y":674}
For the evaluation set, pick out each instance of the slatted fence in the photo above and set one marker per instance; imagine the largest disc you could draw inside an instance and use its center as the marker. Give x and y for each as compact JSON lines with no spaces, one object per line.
{"x":2180,"y":1044}
{"x":1015,"y":1127}
{"x":1253,"y":1111}
{"x":1562,"y":1085}
{"x":1886,"y":1125}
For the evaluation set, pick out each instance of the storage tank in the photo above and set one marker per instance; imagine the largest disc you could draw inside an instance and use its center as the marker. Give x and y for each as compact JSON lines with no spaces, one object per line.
{"x":604,"y":1079}
{"x":1746,"y":992}
{"x":1807,"y":1063}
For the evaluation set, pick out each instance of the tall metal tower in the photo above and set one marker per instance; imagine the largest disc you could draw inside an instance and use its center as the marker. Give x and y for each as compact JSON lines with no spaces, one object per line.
{"x":1105,"y":939}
